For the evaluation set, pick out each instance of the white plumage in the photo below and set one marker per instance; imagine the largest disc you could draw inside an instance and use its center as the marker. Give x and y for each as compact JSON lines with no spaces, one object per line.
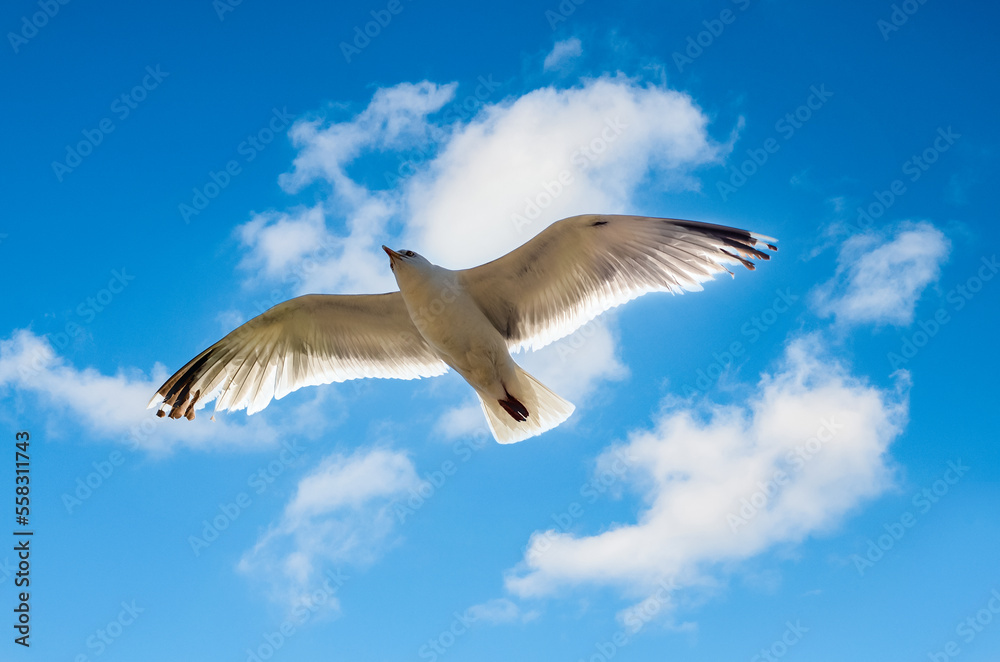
{"x":469,"y":320}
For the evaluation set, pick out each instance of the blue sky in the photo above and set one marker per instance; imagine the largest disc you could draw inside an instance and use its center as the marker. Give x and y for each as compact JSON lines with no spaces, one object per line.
{"x":797,"y":463}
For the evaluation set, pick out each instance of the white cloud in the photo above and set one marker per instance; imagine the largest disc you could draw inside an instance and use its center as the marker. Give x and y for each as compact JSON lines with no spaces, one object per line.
{"x":297,"y":249}
{"x":114,"y":406}
{"x":396,"y":118}
{"x":479,"y":188}
{"x":351,"y":482}
{"x":278,"y":241}
{"x":341,"y":514}
{"x":807,"y":450}
{"x":562,"y":53}
{"x":880,"y":278}
{"x":463,"y":421}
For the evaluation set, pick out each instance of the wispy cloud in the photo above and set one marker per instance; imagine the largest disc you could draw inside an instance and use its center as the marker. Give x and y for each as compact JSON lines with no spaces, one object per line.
{"x":395,"y":119}
{"x":881,"y":276}
{"x":562,"y":53}
{"x":277,"y":242}
{"x":340,"y":516}
{"x":499,"y":610}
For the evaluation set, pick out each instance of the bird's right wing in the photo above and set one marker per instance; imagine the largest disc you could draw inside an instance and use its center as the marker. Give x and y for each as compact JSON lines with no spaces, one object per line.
{"x":581,"y":266}
{"x":306,"y":341}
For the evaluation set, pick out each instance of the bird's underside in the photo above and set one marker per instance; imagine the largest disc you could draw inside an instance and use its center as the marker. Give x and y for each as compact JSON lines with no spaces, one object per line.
{"x":542,"y":291}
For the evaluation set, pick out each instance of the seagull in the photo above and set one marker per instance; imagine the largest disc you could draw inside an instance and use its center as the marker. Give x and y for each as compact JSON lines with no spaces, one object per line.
{"x":469,"y":320}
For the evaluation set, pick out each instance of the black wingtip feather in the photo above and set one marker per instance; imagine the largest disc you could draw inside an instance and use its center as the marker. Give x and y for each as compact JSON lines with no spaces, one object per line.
{"x":746,"y":263}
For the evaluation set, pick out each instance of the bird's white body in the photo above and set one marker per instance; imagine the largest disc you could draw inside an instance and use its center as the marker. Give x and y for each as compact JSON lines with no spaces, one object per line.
{"x":469,"y":320}
{"x":449,"y":318}
{"x":451,"y":322}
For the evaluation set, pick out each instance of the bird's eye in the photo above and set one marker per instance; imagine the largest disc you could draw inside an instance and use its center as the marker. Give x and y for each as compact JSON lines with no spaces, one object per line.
{"x":409,"y":253}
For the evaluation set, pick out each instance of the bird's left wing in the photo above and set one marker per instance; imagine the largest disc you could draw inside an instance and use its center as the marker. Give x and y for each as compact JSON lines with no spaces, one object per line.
{"x":581,"y":266}
{"x":306,"y":341}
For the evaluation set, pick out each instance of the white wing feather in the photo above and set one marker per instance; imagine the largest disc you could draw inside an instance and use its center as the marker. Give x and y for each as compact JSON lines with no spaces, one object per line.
{"x":581,"y":266}
{"x":306,"y":341}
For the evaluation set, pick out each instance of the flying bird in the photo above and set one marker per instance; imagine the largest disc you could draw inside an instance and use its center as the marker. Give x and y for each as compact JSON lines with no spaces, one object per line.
{"x":469,"y":320}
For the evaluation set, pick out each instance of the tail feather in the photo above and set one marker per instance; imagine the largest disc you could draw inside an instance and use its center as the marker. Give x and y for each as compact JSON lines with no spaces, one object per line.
{"x":545,"y":409}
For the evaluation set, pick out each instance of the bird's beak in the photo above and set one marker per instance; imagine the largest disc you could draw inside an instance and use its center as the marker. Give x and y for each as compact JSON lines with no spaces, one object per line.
{"x":393,"y":255}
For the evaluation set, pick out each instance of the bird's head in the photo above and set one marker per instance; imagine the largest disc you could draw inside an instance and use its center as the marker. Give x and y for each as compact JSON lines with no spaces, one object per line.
{"x":406,"y":260}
